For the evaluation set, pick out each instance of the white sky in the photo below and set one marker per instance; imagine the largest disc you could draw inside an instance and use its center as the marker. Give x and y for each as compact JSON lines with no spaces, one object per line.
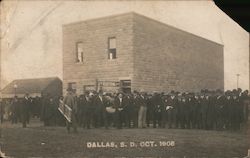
{"x":31,"y":43}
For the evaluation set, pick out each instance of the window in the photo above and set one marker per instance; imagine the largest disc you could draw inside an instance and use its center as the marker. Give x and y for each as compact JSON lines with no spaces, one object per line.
{"x":125,"y":83}
{"x":112,"y":48}
{"x":79,"y":52}
{"x":72,"y":85}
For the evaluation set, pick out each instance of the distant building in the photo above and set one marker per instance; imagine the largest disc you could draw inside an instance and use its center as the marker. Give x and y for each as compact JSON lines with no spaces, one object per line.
{"x":34,"y":87}
{"x":132,"y":52}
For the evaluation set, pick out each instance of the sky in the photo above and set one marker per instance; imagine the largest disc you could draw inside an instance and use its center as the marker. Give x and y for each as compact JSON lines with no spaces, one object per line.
{"x":31,"y":33}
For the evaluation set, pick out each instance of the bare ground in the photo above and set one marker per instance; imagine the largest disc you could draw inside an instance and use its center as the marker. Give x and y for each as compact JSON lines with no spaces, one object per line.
{"x":55,"y":142}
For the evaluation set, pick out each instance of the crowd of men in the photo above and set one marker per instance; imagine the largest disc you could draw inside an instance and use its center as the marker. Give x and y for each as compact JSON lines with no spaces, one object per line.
{"x":209,"y":110}
{"x":22,"y":110}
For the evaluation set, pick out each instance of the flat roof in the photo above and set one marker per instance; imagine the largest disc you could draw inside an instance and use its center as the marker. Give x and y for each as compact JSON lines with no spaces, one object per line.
{"x":140,"y":15}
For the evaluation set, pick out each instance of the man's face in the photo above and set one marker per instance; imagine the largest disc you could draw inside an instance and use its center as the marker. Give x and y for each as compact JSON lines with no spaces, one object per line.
{"x":120,"y":95}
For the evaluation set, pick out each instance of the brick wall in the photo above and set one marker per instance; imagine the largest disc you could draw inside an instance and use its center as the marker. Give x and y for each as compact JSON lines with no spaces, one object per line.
{"x":170,"y":59}
{"x":156,"y":57}
{"x":94,"y":35}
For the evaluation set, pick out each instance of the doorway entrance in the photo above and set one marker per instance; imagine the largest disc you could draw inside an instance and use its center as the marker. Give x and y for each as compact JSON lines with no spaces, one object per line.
{"x":125,"y":86}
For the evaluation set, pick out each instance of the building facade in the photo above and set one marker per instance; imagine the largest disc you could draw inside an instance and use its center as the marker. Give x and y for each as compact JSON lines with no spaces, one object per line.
{"x":132,"y":52}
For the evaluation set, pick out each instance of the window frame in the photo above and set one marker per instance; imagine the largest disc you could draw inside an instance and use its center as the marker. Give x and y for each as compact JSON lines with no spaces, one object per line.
{"x":114,"y":54}
{"x":76,"y":48}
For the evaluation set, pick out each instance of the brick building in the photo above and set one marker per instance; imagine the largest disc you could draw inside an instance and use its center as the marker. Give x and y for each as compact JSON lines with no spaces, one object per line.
{"x":133,"y":52}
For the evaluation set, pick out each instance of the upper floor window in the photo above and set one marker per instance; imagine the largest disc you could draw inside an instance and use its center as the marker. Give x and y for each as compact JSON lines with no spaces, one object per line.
{"x":79,"y":52}
{"x":112,"y":48}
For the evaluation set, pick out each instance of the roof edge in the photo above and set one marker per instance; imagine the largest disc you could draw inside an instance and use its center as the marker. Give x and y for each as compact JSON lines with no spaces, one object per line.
{"x":176,"y":28}
{"x":143,"y":16}
{"x":99,"y":18}
{"x":18,"y":79}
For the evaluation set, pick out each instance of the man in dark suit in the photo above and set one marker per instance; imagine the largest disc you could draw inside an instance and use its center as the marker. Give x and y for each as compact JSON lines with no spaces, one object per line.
{"x":245,"y":102}
{"x":25,"y":110}
{"x":197,"y":111}
{"x":100,"y":112}
{"x":235,"y":112}
{"x":172,"y":110}
{"x":86,"y":107}
{"x":80,"y":110}
{"x":183,"y":106}
{"x":150,"y":110}
{"x":204,"y":101}
{"x":120,"y":103}
{"x":134,"y":109}
{"x":130,"y":112}
{"x":192,"y":106}
{"x":157,"y":103}
{"x":165,"y":111}
{"x":227,"y":109}
{"x":14,"y":110}
{"x":211,"y":112}
{"x":49,"y":111}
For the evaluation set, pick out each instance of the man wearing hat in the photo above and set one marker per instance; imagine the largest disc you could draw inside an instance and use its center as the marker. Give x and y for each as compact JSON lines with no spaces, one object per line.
{"x":70,"y":100}
{"x":171,"y":109}
{"x":219,"y":105}
{"x":192,"y":110}
{"x":204,"y":101}
{"x":80,"y":110}
{"x":25,"y":110}
{"x":100,"y":113}
{"x":157,"y":103}
{"x":235,"y":112}
{"x":85,"y":110}
{"x":119,"y":103}
{"x":211,"y":111}
{"x":197,"y":114}
{"x":181,"y":110}
{"x":142,"y":113}
{"x":14,"y":110}
{"x":226,"y":110}
{"x":245,"y":102}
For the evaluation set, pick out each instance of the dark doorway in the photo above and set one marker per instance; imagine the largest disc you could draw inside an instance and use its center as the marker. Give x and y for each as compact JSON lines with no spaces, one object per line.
{"x":125,"y":86}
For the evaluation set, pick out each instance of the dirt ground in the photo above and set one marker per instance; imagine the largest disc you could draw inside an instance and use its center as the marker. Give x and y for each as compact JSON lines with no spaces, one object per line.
{"x":45,"y":142}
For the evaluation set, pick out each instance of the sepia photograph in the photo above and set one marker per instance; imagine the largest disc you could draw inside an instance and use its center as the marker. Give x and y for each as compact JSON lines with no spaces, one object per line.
{"x":124,"y":78}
